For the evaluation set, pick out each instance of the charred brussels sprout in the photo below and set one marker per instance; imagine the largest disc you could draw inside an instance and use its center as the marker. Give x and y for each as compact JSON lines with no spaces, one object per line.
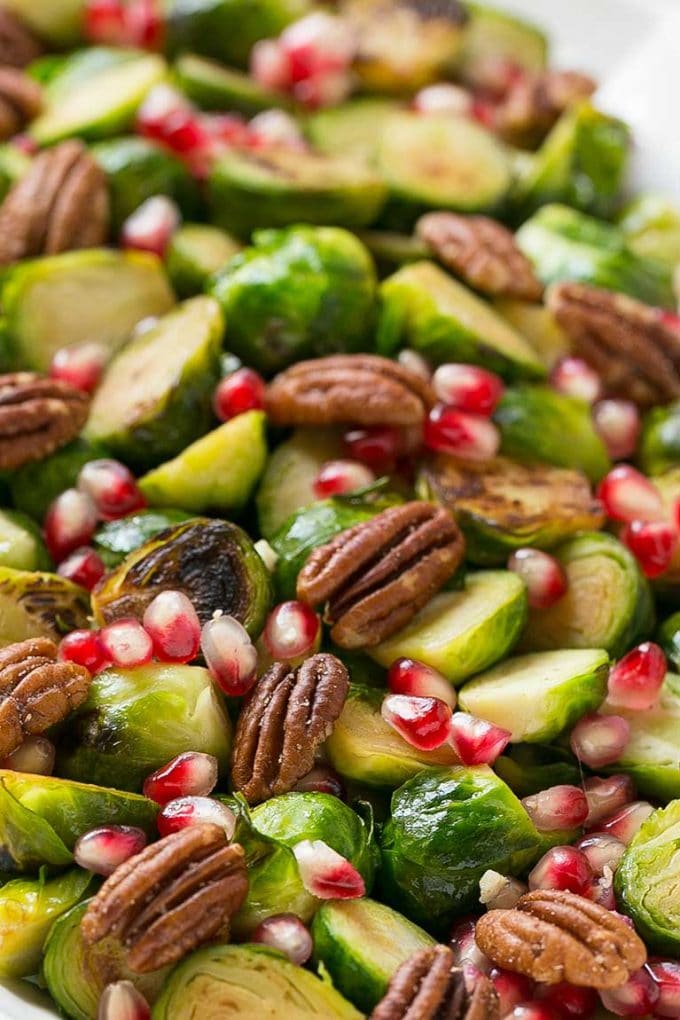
{"x":135,"y":720}
{"x":213,"y":562}
{"x":35,"y":485}
{"x":116,"y":539}
{"x":659,"y":448}
{"x":21,"y":544}
{"x":195,"y":252}
{"x":297,"y":293}
{"x":652,"y":228}
{"x":35,"y":604}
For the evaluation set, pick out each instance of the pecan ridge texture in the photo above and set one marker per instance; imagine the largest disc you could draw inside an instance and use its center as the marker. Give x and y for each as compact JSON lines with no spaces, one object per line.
{"x":20,"y":101}
{"x":37,"y":416}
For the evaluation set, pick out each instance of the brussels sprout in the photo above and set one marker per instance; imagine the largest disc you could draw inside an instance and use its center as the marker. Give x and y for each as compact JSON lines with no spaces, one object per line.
{"x":36,"y":604}
{"x":564,"y":244}
{"x":35,"y":485}
{"x":390,"y":249}
{"x":538,"y":325}
{"x":667,"y":586}
{"x":463,"y":632}
{"x":135,"y":720}
{"x":538,"y":696}
{"x":212,"y":86}
{"x":652,"y":228}
{"x":534,"y":421}
{"x":21,"y":543}
{"x":647,"y":879}
{"x":448,"y":826}
{"x":668,"y":636}
{"x":530,"y":768}
{"x":352,"y":129}
{"x":60,"y":300}
{"x":116,"y":539}
{"x":425,"y":308}
{"x":248,"y":981}
{"x":28,"y":907}
{"x":195,"y":252}
{"x":659,"y":446}
{"x":216,"y":473}
{"x":361,"y":943}
{"x":502,"y":505}
{"x":42,"y":817}
{"x":495,"y":38}
{"x":297,"y":293}
{"x":60,"y":24}
{"x":607,"y":605}
{"x":214,"y":562}
{"x":364,"y":749}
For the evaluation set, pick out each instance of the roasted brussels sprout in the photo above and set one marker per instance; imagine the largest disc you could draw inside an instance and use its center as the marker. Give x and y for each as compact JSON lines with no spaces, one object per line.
{"x":135,"y":720}
{"x":659,"y":447}
{"x":538,"y":325}
{"x":195,"y":252}
{"x":116,"y":539}
{"x":36,"y":604}
{"x":530,"y":768}
{"x":652,"y":228}
{"x":667,"y":586}
{"x":21,"y":544}
{"x":212,"y":86}
{"x":496,"y":38}
{"x":35,"y":485}
{"x":351,"y":129}
{"x":59,"y":24}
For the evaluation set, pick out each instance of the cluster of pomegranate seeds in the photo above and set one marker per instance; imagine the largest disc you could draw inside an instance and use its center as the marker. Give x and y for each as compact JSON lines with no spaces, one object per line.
{"x":137,"y":23}
{"x":80,"y":365}
{"x":575,"y":378}
{"x":338,"y":476}
{"x":292,"y":632}
{"x":543,"y":575}
{"x":443,"y":97}
{"x":103,"y":849}
{"x":558,"y":807}
{"x":325,"y":873}
{"x":565,"y":868}
{"x":151,"y":226}
{"x":122,"y":1001}
{"x":288,"y":934}
{"x":448,"y":430}
{"x":379,"y":447}
{"x":408,"y":676}
{"x":190,"y":774}
{"x":36,"y":755}
{"x":230,"y":655}
{"x":635,"y":681}
{"x":172,"y":623}
{"x":182,"y":812}
{"x":476,"y":741}
{"x":468,"y":388}
{"x":618,"y":424}
{"x":598,"y":740}
{"x":239,"y":392}
{"x":423,"y":722}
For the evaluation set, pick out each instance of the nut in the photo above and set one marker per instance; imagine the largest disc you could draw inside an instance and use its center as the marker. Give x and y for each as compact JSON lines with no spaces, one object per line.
{"x":534,"y":102}
{"x":375,"y":577}
{"x":36,"y":691}
{"x":20,"y":101}
{"x":288,"y":715}
{"x":170,"y":898}
{"x":482,"y":252}
{"x":428,"y":986}
{"x":60,"y":204}
{"x":37,"y":416}
{"x":353,"y":389}
{"x":630,"y":344}
{"x":554,"y":936}
{"x":18,"y":45}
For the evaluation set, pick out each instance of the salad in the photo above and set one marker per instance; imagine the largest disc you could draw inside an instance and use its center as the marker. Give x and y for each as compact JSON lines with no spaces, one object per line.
{"x":339,"y":520}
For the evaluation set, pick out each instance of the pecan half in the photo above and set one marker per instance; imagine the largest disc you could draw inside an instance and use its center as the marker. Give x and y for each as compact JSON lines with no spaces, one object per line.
{"x":18,"y":45}
{"x":60,"y":204}
{"x":429,"y":986}
{"x":555,"y":936}
{"x":170,"y":898}
{"x":288,"y":715}
{"x":630,"y":344}
{"x":36,"y":691}
{"x":348,"y":389}
{"x":37,"y":416}
{"x":20,"y":101}
{"x":374,"y":577}
{"x":482,"y":252}
{"x":534,"y":102}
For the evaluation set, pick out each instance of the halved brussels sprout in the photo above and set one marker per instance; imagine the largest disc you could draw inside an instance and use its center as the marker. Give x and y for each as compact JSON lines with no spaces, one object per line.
{"x":659,"y":446}
{"x":114,"y":540}
{"x":496,"y":38}
{"x":135,"y":720}
{"x":195,"y":252}
{"x":648,"y":877}
{"x":652,"y":227}
{"x":538,"y":325}
{"x":213,"y":562}
{"x":530,"y":768}
{"x":502,"y":505}
{"x":212,"y":86}
{"x":667,"y":586}
{"x":21,"y":543}
{"x":37,"y":604}
{"x":35,"y":485}
{"x":59,"y":24}
{"x":351,"y":129}
{"x":607,"y":605}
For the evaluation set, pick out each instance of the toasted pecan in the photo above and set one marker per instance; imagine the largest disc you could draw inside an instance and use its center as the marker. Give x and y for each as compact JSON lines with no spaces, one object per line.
{"x":349,"y":389}
{"x":429,"y":986}
{"x":20,"y":101}
{"x":553,"y":936}
{"x":533,"y":102}
{"x":374,"y":577}
{"x":170,"y":898}
{"x":18,"y":46}
{"x":37,"y":416}
{"x":287,"y":716}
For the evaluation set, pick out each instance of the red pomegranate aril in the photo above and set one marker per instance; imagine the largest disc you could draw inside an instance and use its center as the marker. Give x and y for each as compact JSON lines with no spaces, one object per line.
{"x":151,"y":226}
{"x":605,"y":795}
{"x":338,"y":476}
{"x":627,"y":495}
{"x":635,"y":681}
{"x":378,"y":447}
{"x":172,"y":623}
{"x":185,"y":811}
{"x":241,"y":391}
{"x":83,"y":566}
{"x":575,"y":378}
{"x":468,"y":388}
{"x":230,"y":655}
{"x":625,"y":824}
{"x":637,"y":997}
{"x":270,"y":65}
{"x":292,"y":631}
{"x":85,"y":648}
{"x":617,"y":422}
{"x":476,"y":741}
{"x":126,"y":643}
{"x":422,"y":722}
{"x":80,"y":365}
{"x":70,"y":522}
{"x":408,"y":676}
{"x":602,"y":850}
{"x":599,"y":740}
{"x":273,"y":128}
{"x":144,"y":24}
{"x":448,"y":430}
{"x":533,"y":1010}
{"x":325,"y":873}
{"x":190,"y":774}
{"x":36,"y":755}
{"x":319,"y":42}
{"x":666,"y":974}
{"x":112,"y":488}
{"x":569,"y":1000}
{"x":162,"y":106}
{"x":103,"y":849}
{"x":321,"y":779}
{"x":558,"y":807}
{"x":122,"y":1001}
{"x":443,"y":98}
{"x":288,"y":934}
{"x":652,"y":543}
{"x":104,"y":22}
{"x":564,"y":868}
{"x":511,"y":988}
{"x":543,"y":575}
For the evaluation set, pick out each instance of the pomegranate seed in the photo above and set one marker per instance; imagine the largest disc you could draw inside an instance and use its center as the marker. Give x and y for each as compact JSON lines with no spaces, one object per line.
{"x":122,"y":1001}
{"x":36,"y":755}
{"x":542,"y":574}
{"x":559,"y":807}
{"x":144,"y":24}
{"x":321,"y":779}
{"x":126,"y":643}
{"x":230,"y":654}
{"x":626,"y":495}
{"x":618,"y":425}
{"x":532,"y":1010}
{"x":422,"y":722}
{"x":241,"y":391}
{"x":80,"y":365}
{"x":635,"y":681}
{"x":84,"y":567}
{"x":484,"y":111}
{"x":476,"y":741}
{"x":104,"y":22}
{"x":378,"y":447}
{"x":102,"y":850}
{"x":575,"y":378}
{"x":338,"y":476}
{"x":151,"y":226}
{"x":499,"y":892}
{"x":449,"y":430}
{"x":625,"y":824}
{"x":112,"y":488}
{"x":602,"y":851}
{"x":569,"y":1000}
{"x":468,"y":388}
{"x":275,"y":128}
{"x":270,"y":65}
{"x":85,"y":648}
{"x":163,"y":105}
{"x":599,"y":740}
{"x":443,"y":98}
{"x":190,"y":774}
{"x":318,"y":43}
{"x":287,"y":933}
{"x":70,"y":522}
{"x":512,"y":989}
{"x":185,"y":811}
{"x":172,"y":623}
{"x":408,"y":676}
{"x":467,"y":953}
{"x":666,"y":974}
{"x":604,"y":794}
{"x":562,"y":867}
{"x":415,"y":363}
{"x":292,"y":632}
{"x":228,"y":128}
{"x":637,"y":997}
{"x":652,"y":543}
{"x":325,"y":873}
